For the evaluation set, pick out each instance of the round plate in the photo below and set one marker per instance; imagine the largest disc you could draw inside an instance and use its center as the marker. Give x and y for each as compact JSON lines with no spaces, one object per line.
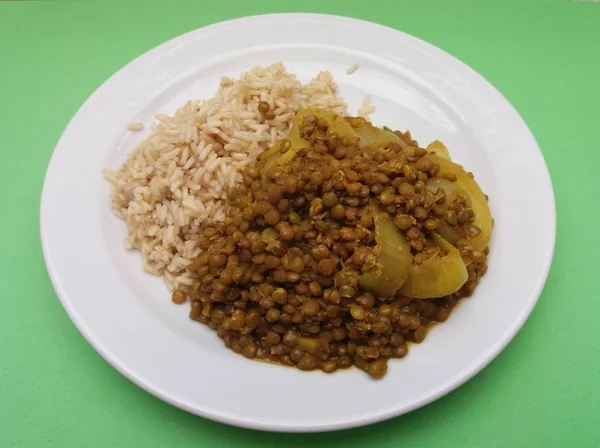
{"x":126,"y":314}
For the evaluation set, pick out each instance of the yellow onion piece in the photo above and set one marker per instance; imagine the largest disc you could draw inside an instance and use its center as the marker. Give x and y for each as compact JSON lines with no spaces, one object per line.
{"x":452,"y":189}
{"x":450,"y":233}
{"x":393,"y":258}
{"x":273,"y":156}
{"x":336,"y":123}
{"x":439,"y":149}
{"x":438,"y":276}
{"x":476,"y":199}
{"x":374,"y":137}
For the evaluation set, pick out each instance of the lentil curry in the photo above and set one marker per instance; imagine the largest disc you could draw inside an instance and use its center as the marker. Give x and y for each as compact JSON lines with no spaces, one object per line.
{"x":344,"y":243}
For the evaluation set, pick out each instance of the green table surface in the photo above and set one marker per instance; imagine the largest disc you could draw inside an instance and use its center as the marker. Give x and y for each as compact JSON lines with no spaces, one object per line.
{"x":542,"y":391}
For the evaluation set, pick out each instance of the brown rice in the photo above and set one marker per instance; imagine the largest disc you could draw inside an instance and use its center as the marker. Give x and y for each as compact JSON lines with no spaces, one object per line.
{"x":178,"y":177}
{"x":366,"y":108}
{"x":352,"y":68}
{"x":135,"y":126}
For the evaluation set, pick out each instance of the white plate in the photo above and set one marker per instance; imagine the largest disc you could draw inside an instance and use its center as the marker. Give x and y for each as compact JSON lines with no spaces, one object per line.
{"x":126,"y":314}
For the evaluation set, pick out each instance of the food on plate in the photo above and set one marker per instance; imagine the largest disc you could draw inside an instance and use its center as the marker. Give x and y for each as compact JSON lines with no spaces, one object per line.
{"x":303,"y":236}
{"x":366,"y":108}
{"x":177,"y":179}
{"x":330,"y":254}
{"x":136,"y":126}
{"x":352,"y":68}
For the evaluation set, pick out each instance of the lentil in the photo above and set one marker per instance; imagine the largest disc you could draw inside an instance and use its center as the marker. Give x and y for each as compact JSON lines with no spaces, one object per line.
{"x":280,"y":279}
{"x":178,"y":296}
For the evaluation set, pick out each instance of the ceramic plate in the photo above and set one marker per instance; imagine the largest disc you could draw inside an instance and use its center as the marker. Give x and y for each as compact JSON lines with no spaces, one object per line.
{"x":127,"y":315}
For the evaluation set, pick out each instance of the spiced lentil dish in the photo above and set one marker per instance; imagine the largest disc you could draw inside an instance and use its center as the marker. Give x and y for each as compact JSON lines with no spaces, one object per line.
{"x":340,"y":245}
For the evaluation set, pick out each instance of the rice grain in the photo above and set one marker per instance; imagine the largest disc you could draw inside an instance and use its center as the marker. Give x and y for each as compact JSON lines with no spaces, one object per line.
{"x":135,"y":126}
{"x":177,"y":179}
{"x":352,"y":68}
{"x":366,"y":108}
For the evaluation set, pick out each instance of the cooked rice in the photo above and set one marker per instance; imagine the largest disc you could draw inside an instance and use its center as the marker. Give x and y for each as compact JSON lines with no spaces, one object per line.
{"x":366,"y":108}
{"x":177,"y":179}
{"x":352,"y":68}
{"x":135,"y":126}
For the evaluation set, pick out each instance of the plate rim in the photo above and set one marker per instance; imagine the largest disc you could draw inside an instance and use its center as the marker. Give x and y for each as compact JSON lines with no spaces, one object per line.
{"x":466,"y":374}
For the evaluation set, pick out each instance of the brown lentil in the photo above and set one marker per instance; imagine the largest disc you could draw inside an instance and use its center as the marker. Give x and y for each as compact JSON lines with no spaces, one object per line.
{"x":179,"y":296}
{"x":264,"y":107}
{"x":279,"y":279}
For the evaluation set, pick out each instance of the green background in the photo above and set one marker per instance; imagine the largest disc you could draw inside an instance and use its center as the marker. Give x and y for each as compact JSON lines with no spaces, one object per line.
{"x":543,"y":390}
